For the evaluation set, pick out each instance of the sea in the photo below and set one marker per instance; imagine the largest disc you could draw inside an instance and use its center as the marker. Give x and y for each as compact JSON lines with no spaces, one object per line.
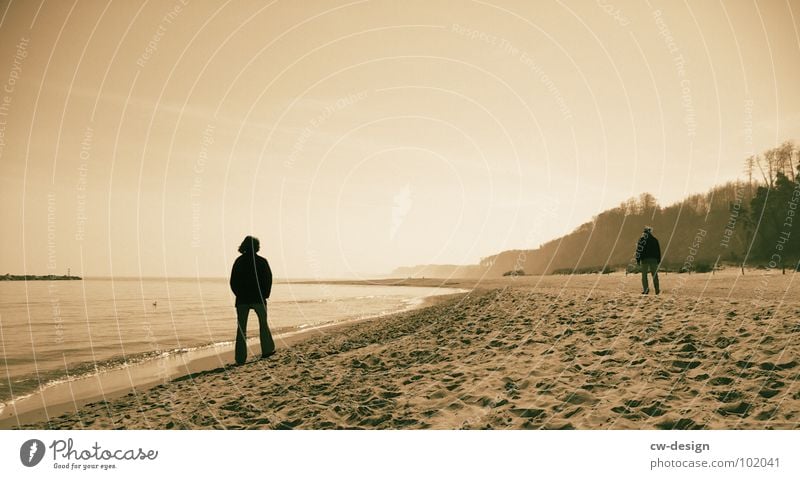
{"x":52,"y":331}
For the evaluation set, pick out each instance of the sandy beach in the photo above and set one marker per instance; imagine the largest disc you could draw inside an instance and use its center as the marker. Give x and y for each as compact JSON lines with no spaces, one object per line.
{"x":556,"y":352}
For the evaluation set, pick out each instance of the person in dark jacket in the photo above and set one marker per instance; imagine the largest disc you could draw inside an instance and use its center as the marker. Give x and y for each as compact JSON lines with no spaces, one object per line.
{"x":251,"y":282}
{"x":648,"y":255}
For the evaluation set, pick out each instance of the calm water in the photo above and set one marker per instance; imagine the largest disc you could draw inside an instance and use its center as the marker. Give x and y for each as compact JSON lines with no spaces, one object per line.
{"x":51,"y":329}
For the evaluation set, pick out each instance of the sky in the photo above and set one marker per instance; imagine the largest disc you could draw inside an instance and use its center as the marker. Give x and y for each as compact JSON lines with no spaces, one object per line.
{"x":353,"y":137}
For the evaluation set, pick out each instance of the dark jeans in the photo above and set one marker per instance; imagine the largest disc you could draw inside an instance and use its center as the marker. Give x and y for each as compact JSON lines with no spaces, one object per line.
{"x":649,"y":265}
{"x":267,"y":344}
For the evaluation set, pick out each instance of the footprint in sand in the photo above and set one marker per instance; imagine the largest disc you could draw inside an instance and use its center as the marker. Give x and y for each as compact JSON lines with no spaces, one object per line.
{"x":727,"y":396}
{"x":654,"y":410}
{"x":742,"y":410}
{"x":621,"y":410}
{"x":580,"y":397}
{"x":390,"y":394}
{"x":768,"y":393}
{"x":289,"y":424}
{"x":572,"y":412}
{"x":260,"y":421}
{"x":431,"y":413}
{"x":438,"y":394}
{"x":527,"y":412}
{"x":723,"y":342}
{"x":662,"y":375}
{"x":401,"y":423}
{"x":410,"y":380}
{"x":744,"y":333}
{"x":682,"y":366}
{"x":544,"y":387}
{"x":681,"y":424}
{"x":767,"y":415}
{"x":627,"y":407}
{"x":721,"y":381}
{"x":785,"y":366}
{"x":375,"y":421}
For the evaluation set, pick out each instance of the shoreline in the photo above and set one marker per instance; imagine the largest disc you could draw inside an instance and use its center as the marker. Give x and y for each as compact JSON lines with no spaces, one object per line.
{"x":69,"y":395}
{"x":39,"y":277}
{"x":587,"y":352}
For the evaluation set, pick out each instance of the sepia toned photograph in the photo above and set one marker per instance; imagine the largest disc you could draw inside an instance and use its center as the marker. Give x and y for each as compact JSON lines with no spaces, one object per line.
{"x":427,"y":215}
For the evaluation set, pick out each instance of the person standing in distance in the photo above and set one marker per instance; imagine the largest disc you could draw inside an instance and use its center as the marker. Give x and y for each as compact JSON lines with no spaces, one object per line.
{"x":648,"y":255}
{"x":251,"y":282}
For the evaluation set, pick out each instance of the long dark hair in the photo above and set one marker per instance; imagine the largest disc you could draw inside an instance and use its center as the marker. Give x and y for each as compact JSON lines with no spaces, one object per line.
{"x":250,"y":245}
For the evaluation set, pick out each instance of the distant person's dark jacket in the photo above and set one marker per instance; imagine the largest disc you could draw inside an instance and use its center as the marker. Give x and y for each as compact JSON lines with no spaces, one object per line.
{"x":251,"y":279}
{"x":648,"y":248}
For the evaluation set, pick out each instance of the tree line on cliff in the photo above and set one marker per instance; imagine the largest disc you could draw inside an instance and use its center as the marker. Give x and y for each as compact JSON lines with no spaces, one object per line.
{"x":751,"y":222}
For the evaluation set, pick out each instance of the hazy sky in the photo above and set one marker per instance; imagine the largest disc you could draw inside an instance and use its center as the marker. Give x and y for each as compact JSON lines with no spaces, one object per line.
{"x":147,"y":138}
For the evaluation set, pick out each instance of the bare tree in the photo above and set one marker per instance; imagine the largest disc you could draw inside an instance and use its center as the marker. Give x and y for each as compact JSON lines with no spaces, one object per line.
{"x":763,"y":167}
{"x":647,"y":203}
{"x":749,"y":166}
{"x":784,"y":156}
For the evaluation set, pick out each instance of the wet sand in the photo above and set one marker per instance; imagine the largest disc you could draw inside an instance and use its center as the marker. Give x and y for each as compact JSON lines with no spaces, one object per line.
{"x":557,"y":352}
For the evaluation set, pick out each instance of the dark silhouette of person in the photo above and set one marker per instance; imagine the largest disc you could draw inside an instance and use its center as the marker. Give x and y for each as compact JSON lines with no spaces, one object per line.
{"x":251,"y":282}
{"x":648,"y":255}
